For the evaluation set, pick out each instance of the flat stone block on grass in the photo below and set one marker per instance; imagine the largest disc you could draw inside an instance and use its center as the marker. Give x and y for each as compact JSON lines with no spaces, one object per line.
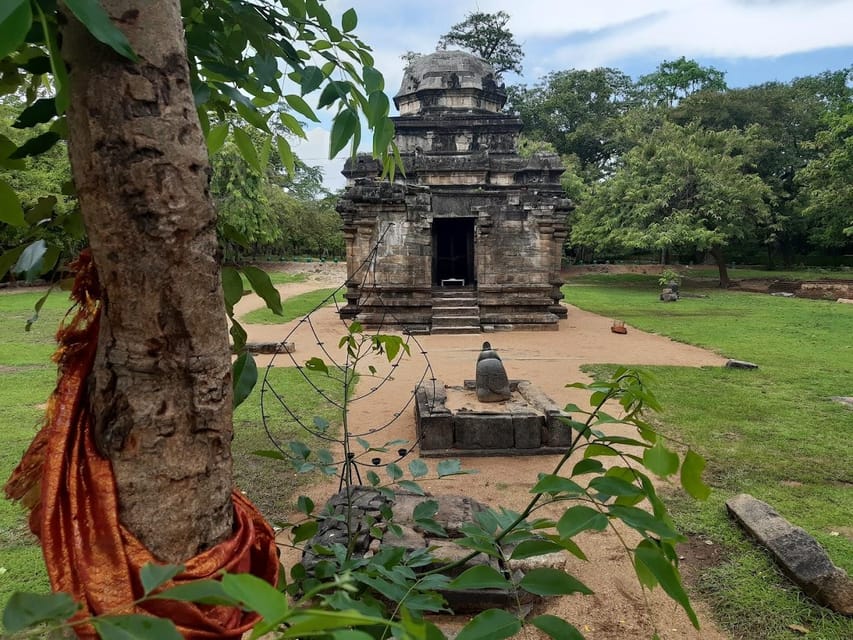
{"x":799,"y":555}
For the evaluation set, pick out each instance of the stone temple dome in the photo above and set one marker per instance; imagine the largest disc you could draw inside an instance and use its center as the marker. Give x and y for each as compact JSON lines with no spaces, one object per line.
{"x":449,"y":81}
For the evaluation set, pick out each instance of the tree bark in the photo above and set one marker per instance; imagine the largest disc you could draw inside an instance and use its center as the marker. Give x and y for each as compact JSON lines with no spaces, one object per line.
{"x":161,"y":388}
{"x":717,"y":252}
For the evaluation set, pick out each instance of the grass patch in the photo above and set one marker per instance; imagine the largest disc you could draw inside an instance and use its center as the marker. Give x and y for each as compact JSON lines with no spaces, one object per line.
{"x":27,"y":377}
{"x":271,"y":484}
{"x":279,"y":277}
{"x":772,"y":432}
{"x":295,"y":307}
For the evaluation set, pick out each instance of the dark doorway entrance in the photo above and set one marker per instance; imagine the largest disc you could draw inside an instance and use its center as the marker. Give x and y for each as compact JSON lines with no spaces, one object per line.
{"x":453,"y":251}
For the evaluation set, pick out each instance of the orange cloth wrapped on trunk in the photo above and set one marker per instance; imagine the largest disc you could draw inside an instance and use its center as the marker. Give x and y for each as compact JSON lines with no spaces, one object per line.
{"x":72,"y":494}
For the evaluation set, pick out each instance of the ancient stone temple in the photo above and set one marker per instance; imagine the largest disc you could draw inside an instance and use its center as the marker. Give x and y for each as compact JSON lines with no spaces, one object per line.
{"x":469,"y":238}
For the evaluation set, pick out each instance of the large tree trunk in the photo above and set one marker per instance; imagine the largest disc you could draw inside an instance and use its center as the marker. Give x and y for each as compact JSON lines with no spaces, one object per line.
{"x":720,"y":259}
{"x":161,"y":388}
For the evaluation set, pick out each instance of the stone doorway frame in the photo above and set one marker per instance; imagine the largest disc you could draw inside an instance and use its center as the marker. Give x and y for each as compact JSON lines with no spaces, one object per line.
{"x":458,"y":235}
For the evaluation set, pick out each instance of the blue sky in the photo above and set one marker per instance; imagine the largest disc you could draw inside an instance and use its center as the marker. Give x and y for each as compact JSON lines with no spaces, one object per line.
{"x":753,"y":41}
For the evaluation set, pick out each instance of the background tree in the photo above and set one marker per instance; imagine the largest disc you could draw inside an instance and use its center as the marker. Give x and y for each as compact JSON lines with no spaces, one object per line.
{"x":682,"y":188}
{"x":674,"y":80}
{"x":578,"y":112}
{"x":827,"y":195}
{"x":161,"y":394}
{"x":486,"y":35}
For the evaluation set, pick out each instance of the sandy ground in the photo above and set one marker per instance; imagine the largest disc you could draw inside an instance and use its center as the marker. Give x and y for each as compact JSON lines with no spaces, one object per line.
{"x":549,"y":359}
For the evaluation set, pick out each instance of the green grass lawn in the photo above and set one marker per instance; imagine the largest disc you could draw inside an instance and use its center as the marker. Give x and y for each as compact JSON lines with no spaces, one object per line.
{"x":771,"y":432}
{"x":294,"y":307}
{"x":27,"y":377}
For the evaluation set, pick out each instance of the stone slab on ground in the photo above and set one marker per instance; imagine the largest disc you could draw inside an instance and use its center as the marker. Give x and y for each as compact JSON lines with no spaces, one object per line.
{"x":740,"y":364}
{"x":798,"y":554}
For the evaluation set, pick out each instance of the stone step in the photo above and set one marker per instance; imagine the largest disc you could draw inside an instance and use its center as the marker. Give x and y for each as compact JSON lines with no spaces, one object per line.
{"x":453,"y":292}
{"x":466,"y":329}
{"x":454,"y":310}
{"x":455,"y":321}
{"x":442,"y":303}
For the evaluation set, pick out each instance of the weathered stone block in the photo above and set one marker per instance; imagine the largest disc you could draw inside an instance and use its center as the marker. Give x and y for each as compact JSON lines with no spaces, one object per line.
{"x":799,"y":555}
{"x":436,"y":432}
{"x":556,"y":433}
{"x":527,"y":430}
{"x":483,"y":431}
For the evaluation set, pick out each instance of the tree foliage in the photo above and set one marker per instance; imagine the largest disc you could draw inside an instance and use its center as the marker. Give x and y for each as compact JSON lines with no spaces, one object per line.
{"x":827,"y":193}
{"x":253,"y":67}
{"x":674,"y":80}
{"x":486,"y":35}
{"x":681,"y":187}
{"x":578,"y":112}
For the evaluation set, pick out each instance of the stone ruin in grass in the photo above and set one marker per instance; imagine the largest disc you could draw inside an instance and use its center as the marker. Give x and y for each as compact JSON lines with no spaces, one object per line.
{"x":489,"y":416}
{"x":370,"y":505}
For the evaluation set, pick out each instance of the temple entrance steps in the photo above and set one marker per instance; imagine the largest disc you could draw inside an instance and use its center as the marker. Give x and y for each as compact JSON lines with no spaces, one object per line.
{"x":455,"y":310}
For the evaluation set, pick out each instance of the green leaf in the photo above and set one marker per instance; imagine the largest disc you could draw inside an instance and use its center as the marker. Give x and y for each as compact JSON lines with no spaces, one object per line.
{"x":425,"y":509}
{"x":245,"y":377}
{"x":42,"y":110}
{"x":552,"y":582}
{"x":418,"y":468}
{"x":594,"y":450}
{"x":200,"y":591}
{"x":378,"y":107}
{"x":304,"y":531}
{"x":36,"y":146}
{"x":312,"y":77}
{"x":587,"y":466}
{"x":644,"y":521}
{"x":286,"y":155}
{"x":11,"y":211}
{"x":349,"y":20}
{"x":299,"y":105}
{"x":292,"y":124}
{"x":373,"y":80}
{"x":449,"y":468}
{"x":414,"y":487}
{"x":394,"y":472}
{"x":156,"y":575}
{"x":316,"y":364}
{"x":247,"y":149}
{"x":30,"y":261}
{"x":480,"y":577}
{"x":343,"y":129}
{"x":309,"y":621}
{"x":263,"y":286}
{"x":533,"y":548}
{"x":651,"y":557}
{"x":580,"y":518}
{"x":28,"y":609}
{"x":256,"y":594}
{"x":216,"y":138}
{"x":615,"y":487}
{"x":16,"y":16}
{"x":556,"y":484}
{"x":96,"y":20}
{"x":691,"y":476}
{"x":492,"y":624}
{"x":305,"y":505}
{"x":135,"y":626}
{"x":232,"y":286}
{"x":660,"y":460}
{"x":556,"y":628}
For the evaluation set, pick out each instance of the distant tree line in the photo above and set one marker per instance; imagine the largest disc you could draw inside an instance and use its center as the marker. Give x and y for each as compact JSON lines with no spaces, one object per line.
{"x":679,"y":164}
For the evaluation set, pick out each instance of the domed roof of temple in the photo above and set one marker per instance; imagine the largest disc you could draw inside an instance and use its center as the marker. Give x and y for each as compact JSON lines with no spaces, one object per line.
{"x":449,"y":80}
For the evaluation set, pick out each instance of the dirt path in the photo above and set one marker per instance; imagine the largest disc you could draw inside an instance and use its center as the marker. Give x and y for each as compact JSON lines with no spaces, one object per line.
{"x":549,"y":359}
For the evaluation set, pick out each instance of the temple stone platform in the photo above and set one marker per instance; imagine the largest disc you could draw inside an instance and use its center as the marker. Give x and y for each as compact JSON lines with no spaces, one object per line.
{"x":450,"y":421}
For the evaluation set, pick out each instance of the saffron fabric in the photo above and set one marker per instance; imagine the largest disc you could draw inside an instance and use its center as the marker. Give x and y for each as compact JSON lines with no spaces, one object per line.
{"x":71,"y":492}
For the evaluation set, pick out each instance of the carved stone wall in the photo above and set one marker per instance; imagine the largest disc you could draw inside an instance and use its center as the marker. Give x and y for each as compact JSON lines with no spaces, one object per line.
{"x":460,"y":163}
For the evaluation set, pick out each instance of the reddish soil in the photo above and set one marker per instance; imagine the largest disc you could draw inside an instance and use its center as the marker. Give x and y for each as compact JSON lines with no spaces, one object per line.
{"x":549,"y":359}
